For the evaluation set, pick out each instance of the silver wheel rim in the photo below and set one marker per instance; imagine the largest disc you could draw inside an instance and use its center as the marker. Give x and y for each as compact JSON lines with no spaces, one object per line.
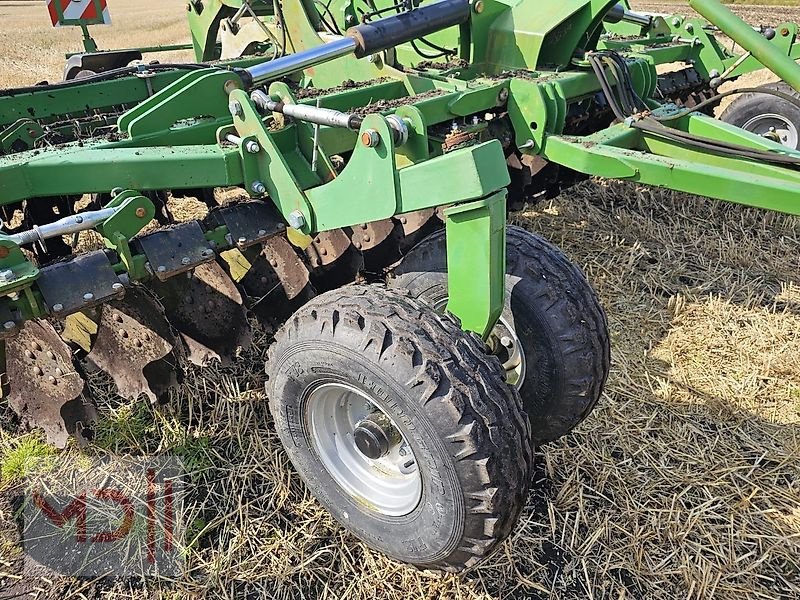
{"x":775,"y":127}
{"x":390,"y":485}
{"x":506,"y":345}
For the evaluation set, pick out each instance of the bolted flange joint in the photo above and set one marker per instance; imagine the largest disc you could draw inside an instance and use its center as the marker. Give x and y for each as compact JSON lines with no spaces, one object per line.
{"x":259,"y":188}
{"x":252,"y":147}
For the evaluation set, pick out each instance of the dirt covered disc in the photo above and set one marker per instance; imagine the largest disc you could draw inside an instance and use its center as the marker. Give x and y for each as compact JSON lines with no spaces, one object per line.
{"x":207,"y":309}
{"x":136,"y":345}
{"x":276,"y":281}
{"x":45,"y":389}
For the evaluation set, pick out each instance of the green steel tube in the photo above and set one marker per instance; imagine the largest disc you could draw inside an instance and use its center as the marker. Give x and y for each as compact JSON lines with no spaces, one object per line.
{"x":743,"y":34}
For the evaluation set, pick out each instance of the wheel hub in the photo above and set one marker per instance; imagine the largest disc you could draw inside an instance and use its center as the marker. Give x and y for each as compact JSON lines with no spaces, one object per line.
{"x":375,"y":435}
{"x":362,"y":449}
{"x":774,"y":127}
{"x":504,"y":343}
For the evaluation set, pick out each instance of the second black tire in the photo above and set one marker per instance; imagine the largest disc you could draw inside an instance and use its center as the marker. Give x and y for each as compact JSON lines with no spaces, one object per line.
{"x":768,"y":115}
{"x":555,"y":315}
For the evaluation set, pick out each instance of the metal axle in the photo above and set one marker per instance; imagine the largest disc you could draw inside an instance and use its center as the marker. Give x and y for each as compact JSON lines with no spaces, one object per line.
{"x":327,"y":116}
{"x":312,"y":114}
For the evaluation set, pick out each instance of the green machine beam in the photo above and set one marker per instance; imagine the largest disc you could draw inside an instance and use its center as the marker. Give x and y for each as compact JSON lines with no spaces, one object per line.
{"x":745,"y":36}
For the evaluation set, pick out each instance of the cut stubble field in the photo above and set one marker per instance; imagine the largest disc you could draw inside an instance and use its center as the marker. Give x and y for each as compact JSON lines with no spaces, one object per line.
{"x":683,"y":483}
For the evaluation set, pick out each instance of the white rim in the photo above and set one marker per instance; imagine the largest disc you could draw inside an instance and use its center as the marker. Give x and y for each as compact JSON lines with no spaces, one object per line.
{"x":390,"y":485}
{"x":505,"y":344}
{"x":775,"y":127}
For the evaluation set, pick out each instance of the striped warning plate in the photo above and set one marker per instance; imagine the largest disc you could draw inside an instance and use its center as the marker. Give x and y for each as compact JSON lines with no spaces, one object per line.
{"x":72,"y":12}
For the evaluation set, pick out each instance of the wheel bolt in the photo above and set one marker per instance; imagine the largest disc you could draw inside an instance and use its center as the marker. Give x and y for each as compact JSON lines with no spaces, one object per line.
{"x":296,"y":219}
{"x":236,"y":109}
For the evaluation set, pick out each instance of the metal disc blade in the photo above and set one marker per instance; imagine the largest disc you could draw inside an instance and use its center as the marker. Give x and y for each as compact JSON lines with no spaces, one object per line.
{"x":137,"y":347}
{"x":207,"y":309}
{"x":45,"y":389}
{"x":276,"y":282}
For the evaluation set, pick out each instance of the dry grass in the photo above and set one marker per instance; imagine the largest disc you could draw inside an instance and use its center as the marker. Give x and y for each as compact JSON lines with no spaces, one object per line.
{"x":684,"y":483}
{"x":32,"y":51}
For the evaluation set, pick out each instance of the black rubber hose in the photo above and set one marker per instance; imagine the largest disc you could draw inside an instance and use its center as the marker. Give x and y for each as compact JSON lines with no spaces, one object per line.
{"x":653,"y":127}
{"x":105,"y":76}
{"x":606,"y":88}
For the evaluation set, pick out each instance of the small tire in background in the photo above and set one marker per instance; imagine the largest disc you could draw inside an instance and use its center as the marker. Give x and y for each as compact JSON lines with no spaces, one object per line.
{"x":768,"y":115}
{"x":552,"y":336}
{"x":401,"y":425}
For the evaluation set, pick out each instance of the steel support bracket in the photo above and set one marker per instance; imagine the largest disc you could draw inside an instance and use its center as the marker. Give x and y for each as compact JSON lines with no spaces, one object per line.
{"x":267,"y":173}
{"x":531,"y":115}
{"x":134,"y":212}
{"x":417,"y":148}
{"x":22,"y":135}
{"x":16,"y":271}
{"x":476,"y":262}
{"x":195,"y":98}
{"x":368,"y":189}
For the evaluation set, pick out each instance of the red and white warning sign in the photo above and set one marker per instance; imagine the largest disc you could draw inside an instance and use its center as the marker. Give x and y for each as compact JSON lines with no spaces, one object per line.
{"x":77,"y":12}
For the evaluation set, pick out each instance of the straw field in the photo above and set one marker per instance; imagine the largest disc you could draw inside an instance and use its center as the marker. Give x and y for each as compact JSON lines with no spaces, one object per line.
{"x":683,"y":483}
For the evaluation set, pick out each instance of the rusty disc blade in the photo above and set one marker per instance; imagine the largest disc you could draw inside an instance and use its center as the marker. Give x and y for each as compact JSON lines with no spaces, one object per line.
{"x":379,"y":243}
{"x":207,"y":309}
{"x":334,"y":260}
{"x":45,"y":389}
{"x":277,"y":282}
{"x":136,"y":345}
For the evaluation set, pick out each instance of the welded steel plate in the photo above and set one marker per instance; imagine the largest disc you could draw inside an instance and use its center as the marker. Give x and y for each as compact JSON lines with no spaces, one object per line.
{"x":80,"y":283}
{"x":250,"y":223}
{"x":175,"y":250}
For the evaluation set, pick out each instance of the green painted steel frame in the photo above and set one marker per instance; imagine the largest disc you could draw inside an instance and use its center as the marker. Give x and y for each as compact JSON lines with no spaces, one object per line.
{"x":625,"y":153}
{"x":177,"y":138}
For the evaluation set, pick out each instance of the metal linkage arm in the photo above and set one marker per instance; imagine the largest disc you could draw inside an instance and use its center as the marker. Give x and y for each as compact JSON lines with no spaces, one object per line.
{"x":626,"y":153}
{"x":749,"y":39}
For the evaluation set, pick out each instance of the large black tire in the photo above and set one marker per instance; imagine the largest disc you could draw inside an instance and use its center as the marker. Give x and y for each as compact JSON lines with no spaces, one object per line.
{"x":445,"y":395}
{"x":555,"y":315}
{"x":757,"y":113}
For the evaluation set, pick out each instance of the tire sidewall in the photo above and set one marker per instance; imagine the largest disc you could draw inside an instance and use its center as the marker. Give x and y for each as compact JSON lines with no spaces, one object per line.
{"x":741,"y":112}
{"x":542,"y":358}
{"x":433,"y":529}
